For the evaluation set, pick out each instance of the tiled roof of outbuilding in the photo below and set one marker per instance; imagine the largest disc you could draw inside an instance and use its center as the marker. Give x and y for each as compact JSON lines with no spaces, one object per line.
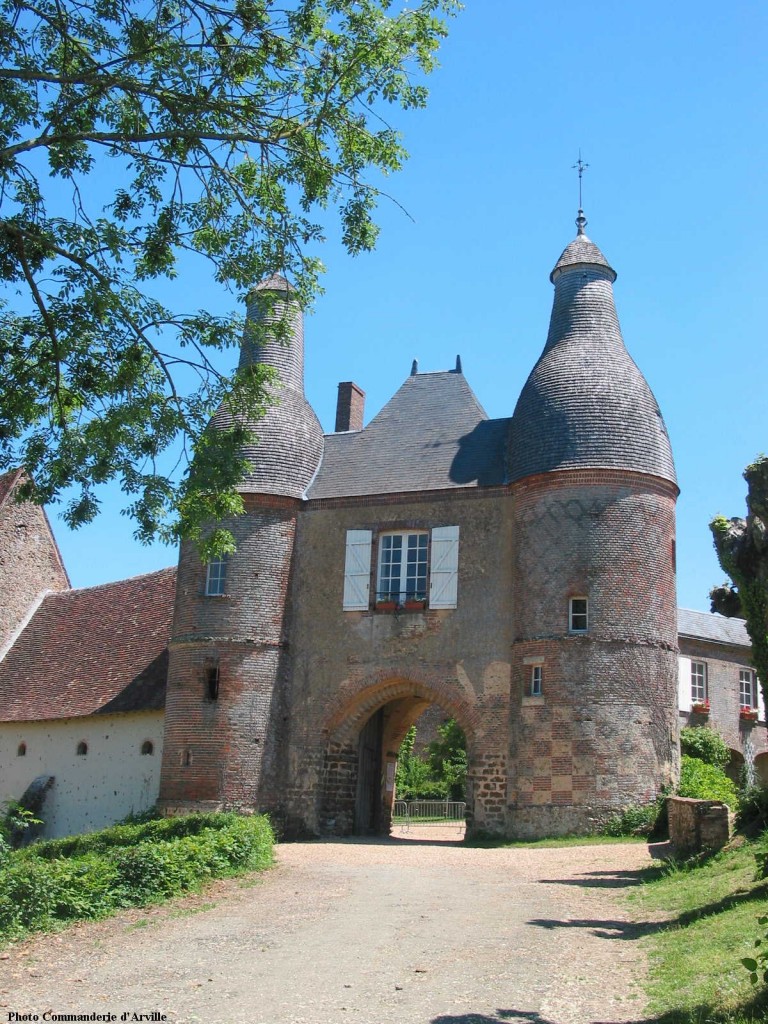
{"x":431,"y":435}
{"x":586,"y":405}
{"x":94,"y":651}
{"x":715,"y":628}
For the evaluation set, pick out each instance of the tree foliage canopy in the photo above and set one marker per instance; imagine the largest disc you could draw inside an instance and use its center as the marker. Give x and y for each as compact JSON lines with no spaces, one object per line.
{"x":742,"y":548}
{"x":132,"y":133}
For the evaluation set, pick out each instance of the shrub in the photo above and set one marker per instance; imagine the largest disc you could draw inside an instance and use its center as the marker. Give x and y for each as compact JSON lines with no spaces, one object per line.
{"x":753,"y":807}
{"x":37,"y":891}
{"x":703,"y":781}
{"x":701,"y":742}
{"x":758,"y":964}
{"x":635,"y":820}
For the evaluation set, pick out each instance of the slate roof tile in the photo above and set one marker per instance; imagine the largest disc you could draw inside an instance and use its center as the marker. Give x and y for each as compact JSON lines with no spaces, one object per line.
{"x":433,"y":434}
{"x":92,"y":651}
{"x":715,"y":628}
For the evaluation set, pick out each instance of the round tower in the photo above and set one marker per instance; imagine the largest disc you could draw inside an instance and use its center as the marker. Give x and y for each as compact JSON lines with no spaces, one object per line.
{"x":225,"y":708}
{"x":595,"y":620}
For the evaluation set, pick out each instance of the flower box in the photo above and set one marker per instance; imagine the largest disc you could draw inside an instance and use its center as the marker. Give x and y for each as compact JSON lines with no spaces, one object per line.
{"x":413,"y":604}
{"x":386,"y":606}
{"x":747,"y":714}
{"x":700,"y":707}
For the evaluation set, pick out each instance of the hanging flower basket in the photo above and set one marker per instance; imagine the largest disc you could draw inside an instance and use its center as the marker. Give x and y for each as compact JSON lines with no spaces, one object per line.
{"x":747,"y":714}
{"x":700,"y":707}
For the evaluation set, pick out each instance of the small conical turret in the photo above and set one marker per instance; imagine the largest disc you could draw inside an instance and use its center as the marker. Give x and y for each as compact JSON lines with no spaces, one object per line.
{"x":586,"y":404}
{"x":289,"y":439}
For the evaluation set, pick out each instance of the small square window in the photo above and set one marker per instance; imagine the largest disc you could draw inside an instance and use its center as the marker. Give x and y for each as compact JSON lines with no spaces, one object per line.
{"x":536,"y":680}
{"x":578,"y":615}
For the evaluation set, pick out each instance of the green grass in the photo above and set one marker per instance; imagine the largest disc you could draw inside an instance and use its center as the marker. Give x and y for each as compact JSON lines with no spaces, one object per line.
{"x":700,"y":921}
{"x":490,"y":842}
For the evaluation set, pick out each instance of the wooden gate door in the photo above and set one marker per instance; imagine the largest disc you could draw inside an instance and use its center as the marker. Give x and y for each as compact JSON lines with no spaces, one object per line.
{"x":368,"y":802}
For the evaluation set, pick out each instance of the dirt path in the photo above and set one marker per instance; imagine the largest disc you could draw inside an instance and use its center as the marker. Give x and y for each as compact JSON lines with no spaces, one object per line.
{"x":384,"y":932}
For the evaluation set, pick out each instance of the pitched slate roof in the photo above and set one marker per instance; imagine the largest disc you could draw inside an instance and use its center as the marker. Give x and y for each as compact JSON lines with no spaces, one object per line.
{"x":431,"y":435}
{"x":715,"y":628}
{"x":93,"y":651}
{"x":586,"y":404}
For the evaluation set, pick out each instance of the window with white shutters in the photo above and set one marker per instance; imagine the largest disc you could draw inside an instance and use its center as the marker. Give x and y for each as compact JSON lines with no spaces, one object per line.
{"x":444,"y":567}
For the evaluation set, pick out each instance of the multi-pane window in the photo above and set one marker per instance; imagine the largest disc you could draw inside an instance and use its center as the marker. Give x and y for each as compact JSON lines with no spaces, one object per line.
{"x":216,"y":577}
{"x":536,"y":680}
{"x":402,"y":567}
{"x":747,"y":688}
{"x":698,"y":682}
{"x":578,"y":615}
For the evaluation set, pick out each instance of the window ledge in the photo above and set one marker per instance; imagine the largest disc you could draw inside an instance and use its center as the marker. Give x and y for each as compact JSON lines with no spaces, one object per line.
{"x":528,"y":700}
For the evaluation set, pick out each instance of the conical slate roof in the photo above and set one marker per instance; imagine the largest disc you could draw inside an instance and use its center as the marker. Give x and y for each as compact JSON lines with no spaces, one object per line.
{"x":289,"y":439}
{"x":586,"y":404}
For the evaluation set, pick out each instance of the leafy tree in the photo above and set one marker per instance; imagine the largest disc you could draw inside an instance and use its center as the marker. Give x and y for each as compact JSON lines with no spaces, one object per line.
{"x":702,"y":781}
{"x":448,"y":759}
{"x":134,"y":137}
{"x":742,"y":548}
{"x":414,"y":779}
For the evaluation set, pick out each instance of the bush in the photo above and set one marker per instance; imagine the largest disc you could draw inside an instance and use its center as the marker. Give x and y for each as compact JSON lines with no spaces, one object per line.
{"x":635,"y":820}
{"x":753,"y":808}
{"x":701,"y":742}
{"x":702,"y":781}
{"x":37,"y":891}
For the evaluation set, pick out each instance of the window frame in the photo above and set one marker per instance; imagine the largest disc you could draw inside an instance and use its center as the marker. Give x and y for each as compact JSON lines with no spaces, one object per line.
{"x":403,"y":593}
{"x":216,"y":576}
{"x":536,"y":681}
{"x":748,"y":675}
{"x":573,"y":615}
{"x":699,"y":681}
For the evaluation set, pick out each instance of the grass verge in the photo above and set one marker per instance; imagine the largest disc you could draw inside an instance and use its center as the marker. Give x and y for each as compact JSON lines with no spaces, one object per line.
{"x":701,"y":920}
{"x":92,"y":876}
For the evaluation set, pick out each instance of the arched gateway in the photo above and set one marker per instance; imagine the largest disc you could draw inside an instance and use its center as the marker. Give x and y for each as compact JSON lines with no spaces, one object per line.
{"x":364,"y":736}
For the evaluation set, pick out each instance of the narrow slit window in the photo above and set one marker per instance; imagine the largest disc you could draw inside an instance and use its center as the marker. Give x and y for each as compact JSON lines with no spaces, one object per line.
{"x":21,"y":751}
{"x":82,"y":748}
{"x":212,"y":680}
{"x":536,"y":681}
{"x":147,"y":747}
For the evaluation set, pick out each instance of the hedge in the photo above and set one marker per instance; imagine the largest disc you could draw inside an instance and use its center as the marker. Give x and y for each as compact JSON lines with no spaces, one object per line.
{"x":45,"y":884}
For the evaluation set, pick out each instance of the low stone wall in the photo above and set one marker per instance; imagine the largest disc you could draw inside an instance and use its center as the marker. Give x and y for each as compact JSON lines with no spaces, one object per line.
{"x":697,"y":825}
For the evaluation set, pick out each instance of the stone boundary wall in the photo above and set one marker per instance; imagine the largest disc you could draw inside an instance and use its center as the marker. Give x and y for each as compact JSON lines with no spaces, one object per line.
{"x":698,"y":825}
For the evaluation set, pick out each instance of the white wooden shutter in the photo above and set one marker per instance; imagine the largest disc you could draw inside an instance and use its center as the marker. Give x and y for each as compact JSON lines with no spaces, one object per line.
{"x":684,"y":684}
{"x":357,"y":570}
{"x":444,"y":567}
{"x":760,"y":701}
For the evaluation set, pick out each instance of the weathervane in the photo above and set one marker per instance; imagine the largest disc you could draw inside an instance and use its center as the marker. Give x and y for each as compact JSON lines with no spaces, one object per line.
{"x":580,"y":166}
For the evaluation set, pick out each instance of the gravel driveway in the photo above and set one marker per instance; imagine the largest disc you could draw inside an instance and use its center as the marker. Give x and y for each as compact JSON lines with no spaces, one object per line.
{"x":364,"y":931}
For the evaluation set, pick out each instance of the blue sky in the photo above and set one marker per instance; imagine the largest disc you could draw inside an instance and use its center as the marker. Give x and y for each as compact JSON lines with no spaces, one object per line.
{"x":668,"y":105}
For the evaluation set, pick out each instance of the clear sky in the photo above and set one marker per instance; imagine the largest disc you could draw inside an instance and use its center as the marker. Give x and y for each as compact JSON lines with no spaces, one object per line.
{"x":668,"y":104}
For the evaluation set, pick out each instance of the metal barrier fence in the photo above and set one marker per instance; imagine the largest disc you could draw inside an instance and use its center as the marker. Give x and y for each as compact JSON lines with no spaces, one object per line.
{"x":420,"y":813}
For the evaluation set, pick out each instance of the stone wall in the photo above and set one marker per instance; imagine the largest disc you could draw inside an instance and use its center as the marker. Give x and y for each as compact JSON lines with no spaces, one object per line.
{"x":698,"y":825}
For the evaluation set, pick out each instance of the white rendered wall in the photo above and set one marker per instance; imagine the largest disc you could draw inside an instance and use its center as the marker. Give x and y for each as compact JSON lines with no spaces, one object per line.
{"x":112,"y":780}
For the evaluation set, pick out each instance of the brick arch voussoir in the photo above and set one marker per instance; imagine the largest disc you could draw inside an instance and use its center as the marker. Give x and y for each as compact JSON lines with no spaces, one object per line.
{"x":347,"y":716}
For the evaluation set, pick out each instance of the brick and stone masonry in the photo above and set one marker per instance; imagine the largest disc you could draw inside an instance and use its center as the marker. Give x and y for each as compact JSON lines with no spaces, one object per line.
{"x":572,"y":498}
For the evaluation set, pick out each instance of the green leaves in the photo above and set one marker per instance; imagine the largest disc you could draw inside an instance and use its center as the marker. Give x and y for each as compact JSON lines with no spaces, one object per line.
{"x":219,"y":130}
{"x":758,"y":965}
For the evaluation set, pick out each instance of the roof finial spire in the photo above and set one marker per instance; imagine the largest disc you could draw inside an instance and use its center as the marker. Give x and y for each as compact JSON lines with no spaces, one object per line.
{"x":581,"y":220}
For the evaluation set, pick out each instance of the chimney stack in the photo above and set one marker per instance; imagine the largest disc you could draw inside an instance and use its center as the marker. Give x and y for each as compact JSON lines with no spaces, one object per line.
{"x":349,"y":407}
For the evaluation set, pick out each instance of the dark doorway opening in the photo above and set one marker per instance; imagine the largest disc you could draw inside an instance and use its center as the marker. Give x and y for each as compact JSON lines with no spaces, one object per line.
{"x":368,"y":799}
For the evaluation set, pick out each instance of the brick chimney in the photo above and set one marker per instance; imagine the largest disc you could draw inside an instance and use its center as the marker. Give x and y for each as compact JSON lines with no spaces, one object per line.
{"x":349,"y":407}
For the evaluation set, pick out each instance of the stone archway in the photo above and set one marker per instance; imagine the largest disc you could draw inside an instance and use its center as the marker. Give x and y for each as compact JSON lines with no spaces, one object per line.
{"x":364,"y":736}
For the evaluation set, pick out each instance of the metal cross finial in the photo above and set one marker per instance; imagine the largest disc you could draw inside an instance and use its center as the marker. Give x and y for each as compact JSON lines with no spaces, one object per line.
{"x":580,"y":166}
